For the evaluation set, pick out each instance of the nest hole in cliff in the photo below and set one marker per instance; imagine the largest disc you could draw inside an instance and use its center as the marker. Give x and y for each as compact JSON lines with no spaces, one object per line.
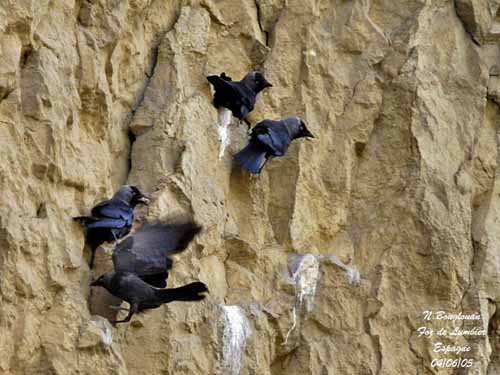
{"x":359,"y":147}
{"x":26,"y":53}
{"x":41,"y":211}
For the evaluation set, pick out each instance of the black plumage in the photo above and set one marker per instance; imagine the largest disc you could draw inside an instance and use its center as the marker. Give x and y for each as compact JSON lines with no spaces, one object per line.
{"x":146,"y":252}
{"x":270,"y":138}
{"x":141,"y":264}
{"x":111,"y":219}
{"x":238,"y":96}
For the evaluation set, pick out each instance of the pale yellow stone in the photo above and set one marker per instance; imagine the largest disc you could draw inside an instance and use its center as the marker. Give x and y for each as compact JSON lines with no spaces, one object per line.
{"x":400,"y":181}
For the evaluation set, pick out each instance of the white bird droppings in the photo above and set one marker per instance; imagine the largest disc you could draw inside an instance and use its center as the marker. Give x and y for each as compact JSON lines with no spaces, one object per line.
{"x":107,"y":336}
{"x":225,"y":118}
{"x":305,"y":278}
{"x":235,"y":333}
{"x":352,"y":272}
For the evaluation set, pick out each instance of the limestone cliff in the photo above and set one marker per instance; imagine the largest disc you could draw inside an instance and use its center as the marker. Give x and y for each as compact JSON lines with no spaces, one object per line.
{"x":400,"y":183}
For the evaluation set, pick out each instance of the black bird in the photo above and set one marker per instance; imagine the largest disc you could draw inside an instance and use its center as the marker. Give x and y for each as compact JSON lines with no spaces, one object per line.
{"x":238,"y":97}
{"x":141,"y":264}
{"x":111,"y":219}
{"x":270,"y":138}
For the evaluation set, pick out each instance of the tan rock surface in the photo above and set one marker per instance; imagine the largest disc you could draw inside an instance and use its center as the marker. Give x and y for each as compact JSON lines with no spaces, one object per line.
{"x":400,"y":182}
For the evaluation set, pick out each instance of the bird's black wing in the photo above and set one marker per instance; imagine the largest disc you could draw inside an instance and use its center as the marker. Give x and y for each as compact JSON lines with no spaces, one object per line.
{"x":233,"y":95}
{"x":244,"y":100}
{"x":122,"y":213}
{"x":146,"y":251}
{"x":112,"y":209}
{"x":126,"y":258}
{"x":272,"y":135}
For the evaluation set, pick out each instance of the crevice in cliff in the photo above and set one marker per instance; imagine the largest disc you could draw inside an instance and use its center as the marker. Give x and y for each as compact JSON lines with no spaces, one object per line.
{"x":415,"y":351}
{"x":131,"y":139}
{"x":259,"y":21}
{"x":26,"y":53}
{"x":149,"y":76}
{"x":494,"y":338}
{"x":99,"y":301}
{"x":108,"y":68}
{"x":465,"y":13}
{"x":155,"y":52}
{"x":213,"y":13}
{"x":371,"y":310}
{"x":5,"y":92}
{"x":154,"y":56}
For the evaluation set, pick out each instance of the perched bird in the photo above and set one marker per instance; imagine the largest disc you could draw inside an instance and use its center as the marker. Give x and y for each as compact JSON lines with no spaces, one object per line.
{"x":141,"y":264}
{"x":111,"y":219}
{"x":270,"y":138}
{"x":238,"y":97}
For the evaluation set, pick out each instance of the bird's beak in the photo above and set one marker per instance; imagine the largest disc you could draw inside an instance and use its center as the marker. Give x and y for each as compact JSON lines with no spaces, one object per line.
{"x":267,"y":84}
{"x":307,"y":133}
{"x":144,"y":200}
{"x":94,"y":283}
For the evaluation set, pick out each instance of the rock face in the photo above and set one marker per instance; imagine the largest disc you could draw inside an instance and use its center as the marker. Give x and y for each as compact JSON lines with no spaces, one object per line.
{"x":400,"y":182}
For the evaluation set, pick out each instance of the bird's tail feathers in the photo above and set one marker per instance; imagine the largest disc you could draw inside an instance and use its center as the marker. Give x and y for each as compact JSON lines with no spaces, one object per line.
{"x":90,"y":222}
{"x":252,"y":157}
{"x":158,"y":280}
{"x":85,"y":220}
{"x":190,"y":292}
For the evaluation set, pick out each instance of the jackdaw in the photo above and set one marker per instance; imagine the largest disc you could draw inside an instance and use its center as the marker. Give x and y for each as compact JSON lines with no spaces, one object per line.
{"x":141,"y":264}
{"x":270,"y":138}
{"x":238,"y":97}
{"x":111,"y":219}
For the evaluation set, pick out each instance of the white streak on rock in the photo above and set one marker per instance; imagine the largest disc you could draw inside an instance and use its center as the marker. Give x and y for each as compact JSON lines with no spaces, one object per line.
{"x":95,"y":332}
{"x":352,"y":272}
{"x":235,"y":333}
{"x":225,"y":118}
{"x":305,"y":278}
{"x":107,"y":336}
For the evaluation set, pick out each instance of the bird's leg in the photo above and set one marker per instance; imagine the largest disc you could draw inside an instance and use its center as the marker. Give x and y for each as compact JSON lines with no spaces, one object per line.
{"x":133,"y":309}
{"x":262,"y":166}
{"x":117,"y":308}
{"x":92,"y":256}
{"x":249,"y":124}
{"x":114,"y":236}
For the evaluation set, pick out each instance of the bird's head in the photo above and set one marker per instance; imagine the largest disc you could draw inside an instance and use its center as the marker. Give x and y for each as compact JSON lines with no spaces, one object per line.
{"x":131,"y":195}
{"x":303,"y":131}
{"x":104,"y":280}
{"x":257,"y":81}
{"x":298,"y":127}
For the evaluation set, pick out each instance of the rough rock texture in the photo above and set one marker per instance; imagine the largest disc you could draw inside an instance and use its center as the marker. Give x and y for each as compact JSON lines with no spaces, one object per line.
{"x":401,"y":180}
